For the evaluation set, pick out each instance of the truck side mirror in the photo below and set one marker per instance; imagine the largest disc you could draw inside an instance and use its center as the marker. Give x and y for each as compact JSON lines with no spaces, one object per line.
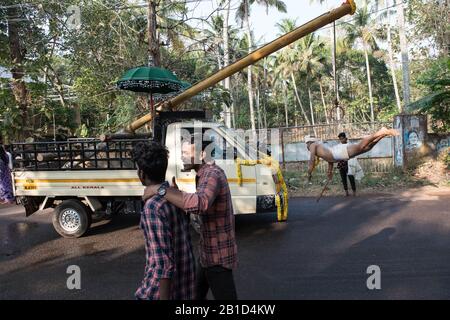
{"x":235,"y":153}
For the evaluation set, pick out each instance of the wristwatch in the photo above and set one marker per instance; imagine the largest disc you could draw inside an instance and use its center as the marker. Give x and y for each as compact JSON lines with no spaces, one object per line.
{"x":163,"y":189}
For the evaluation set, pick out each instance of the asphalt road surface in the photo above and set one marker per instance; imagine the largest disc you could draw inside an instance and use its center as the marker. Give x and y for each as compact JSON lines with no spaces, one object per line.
{"x":322,"y":252}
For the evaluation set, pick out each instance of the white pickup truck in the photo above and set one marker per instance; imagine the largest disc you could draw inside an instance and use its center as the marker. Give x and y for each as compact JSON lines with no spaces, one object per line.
{"x":82,"y":178}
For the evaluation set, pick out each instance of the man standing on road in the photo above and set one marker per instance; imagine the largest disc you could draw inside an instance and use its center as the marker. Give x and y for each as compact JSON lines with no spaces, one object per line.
{"x":343,"y":169}
{"x":212,"y":202}
{"x":170,"y":268}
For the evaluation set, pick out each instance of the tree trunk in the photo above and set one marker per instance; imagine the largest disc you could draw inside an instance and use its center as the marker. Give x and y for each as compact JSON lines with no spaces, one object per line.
{"x":228,"y":110}
{"x":369,"y":83}
{"x":404,"y":52}
{"x":77,"y":110}
{"x":154,"y":54}
{"x":17,"y":54}
{"x":323,"y":103}
{"x":285,"y":104}
{"x":265,"y":112}
{"x":445,"y":34}
{"x":233,"y":92}
{"x":335,"y":79}
{"x":257,"y":101}
{"x":57,"y":85}
{"x":258,"y":107}
{"x":278,"y":115}
{"x":298,"y":98}
{"x":295,"y":115}
{"x":219,"y":60}
{"x":249,"y":69}
{"x":391,"y":62}
{"x":265,"y":93}
{"x":310,"y":104}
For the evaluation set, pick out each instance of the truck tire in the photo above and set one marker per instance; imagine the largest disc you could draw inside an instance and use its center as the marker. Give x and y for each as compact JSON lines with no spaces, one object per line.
{"x":71,"y":219}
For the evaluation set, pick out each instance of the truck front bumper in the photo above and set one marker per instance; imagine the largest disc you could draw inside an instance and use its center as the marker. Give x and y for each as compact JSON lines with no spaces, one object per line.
{"x":267,"y":203}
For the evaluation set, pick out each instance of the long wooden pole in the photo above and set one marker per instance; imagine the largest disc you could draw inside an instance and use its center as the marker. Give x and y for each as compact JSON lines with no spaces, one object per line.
{"x":348,"y":7}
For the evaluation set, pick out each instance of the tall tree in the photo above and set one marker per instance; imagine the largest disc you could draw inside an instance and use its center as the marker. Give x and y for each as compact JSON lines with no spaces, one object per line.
{"x":243,"y":15}
{"x":391,"y":57}
{"x":429,"y":19}
{"x":154,"y":54}
{"x":404,"y":53}
{"x":17,"y":51}
{"x":311,"y":63}
{"x":229,"y":110}
{"x":363,"y":29}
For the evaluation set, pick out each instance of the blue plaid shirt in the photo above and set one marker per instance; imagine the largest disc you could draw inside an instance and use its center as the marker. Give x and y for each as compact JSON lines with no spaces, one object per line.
{"x":168,"y":249}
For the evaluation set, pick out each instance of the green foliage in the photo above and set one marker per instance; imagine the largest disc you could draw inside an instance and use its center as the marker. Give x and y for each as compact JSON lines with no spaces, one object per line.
{"x":71,"y":74}
{"x":431,"y":27}
{"x":436,"y":82}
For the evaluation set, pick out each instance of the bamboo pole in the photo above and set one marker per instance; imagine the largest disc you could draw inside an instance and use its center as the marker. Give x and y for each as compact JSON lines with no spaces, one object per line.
{"x":348,"y":7}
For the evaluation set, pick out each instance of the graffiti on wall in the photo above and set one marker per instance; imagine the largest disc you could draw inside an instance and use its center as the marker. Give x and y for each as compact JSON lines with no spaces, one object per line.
{"x":413,"y":134}
{"x":443,"y":144}
{"x":413,"y":140}
{"x":438,"y":142}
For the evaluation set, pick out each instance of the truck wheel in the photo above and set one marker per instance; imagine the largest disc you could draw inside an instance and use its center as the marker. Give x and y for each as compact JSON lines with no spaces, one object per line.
{"x":71,"y":219}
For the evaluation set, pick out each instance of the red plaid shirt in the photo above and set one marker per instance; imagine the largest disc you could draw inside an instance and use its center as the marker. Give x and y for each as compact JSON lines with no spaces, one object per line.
{"x":212,"y":202}
{"x":169,"y":253}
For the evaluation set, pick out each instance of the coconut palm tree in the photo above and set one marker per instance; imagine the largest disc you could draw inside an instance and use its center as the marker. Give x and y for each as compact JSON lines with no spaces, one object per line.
{"x":404,"y":52}
{"x":287,"y":66}
{"x":364,"y":31}
{"x":304,"y":57}
{"x":310,"y":62}
{"x":229,"y":118}
{"x":243,"y":16}
{"x":385,"y":18}
{"x":391,"y":57}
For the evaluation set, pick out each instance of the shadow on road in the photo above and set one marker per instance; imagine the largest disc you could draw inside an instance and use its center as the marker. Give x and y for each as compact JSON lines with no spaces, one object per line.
{"x":321,"y":252}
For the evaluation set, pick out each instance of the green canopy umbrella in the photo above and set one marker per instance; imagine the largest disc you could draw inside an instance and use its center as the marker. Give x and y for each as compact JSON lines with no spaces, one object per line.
{"x":151,"y":80}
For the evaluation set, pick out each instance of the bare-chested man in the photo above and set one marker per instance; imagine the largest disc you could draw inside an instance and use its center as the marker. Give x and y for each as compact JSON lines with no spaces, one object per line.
{"x":340,"y":151}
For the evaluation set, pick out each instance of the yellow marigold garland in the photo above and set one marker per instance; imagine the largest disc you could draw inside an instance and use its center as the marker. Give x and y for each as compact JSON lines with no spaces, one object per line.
{"x":282,"y":211}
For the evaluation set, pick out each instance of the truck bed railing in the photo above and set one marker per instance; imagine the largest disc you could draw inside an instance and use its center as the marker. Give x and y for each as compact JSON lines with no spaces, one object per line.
{"x":74,"y":154}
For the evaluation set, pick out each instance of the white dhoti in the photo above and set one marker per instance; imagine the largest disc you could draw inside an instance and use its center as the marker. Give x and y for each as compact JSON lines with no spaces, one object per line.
{"x":354,"y":169}
{"x":340,"y":152}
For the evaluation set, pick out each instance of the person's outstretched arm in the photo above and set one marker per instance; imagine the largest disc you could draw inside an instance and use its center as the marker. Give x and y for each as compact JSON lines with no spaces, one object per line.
{"x":196,"y":203}
{"x":173,"y":195}
{"x":207,"y":191}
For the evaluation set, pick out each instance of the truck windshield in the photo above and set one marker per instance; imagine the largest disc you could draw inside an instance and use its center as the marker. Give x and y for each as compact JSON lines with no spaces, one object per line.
{"x":239,"y":138}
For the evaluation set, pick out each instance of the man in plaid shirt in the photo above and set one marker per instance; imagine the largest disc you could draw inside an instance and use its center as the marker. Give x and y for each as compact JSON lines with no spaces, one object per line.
{"x":170,"y":264}
{"x":212,"y":202}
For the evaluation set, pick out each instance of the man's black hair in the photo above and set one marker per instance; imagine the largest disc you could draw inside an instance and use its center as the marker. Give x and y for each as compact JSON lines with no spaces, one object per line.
{"x":342,"y":135}
{"x":151,"y":157}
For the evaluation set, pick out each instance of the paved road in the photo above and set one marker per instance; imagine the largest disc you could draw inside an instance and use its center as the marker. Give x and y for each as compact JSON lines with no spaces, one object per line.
{"x":322,"y":252}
